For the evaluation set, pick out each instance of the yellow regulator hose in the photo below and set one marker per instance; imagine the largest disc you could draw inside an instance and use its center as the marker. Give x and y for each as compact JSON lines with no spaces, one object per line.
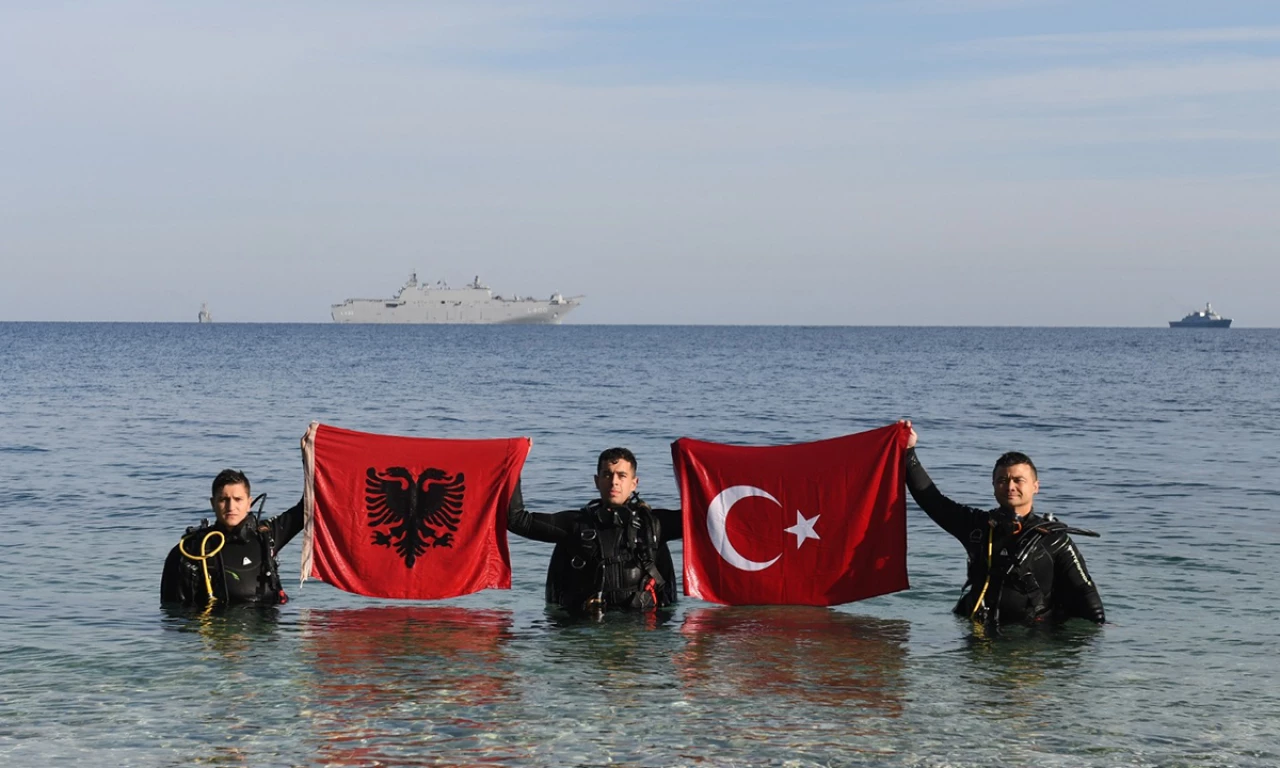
{"x":991,"y":537}
{"x":204,"y":556}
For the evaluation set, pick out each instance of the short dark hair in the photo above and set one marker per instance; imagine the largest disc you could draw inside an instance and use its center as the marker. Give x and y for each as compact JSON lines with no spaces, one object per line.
{"x":229,"y":477}
{"x":1012,"y":459}
{"x":615,"y":454}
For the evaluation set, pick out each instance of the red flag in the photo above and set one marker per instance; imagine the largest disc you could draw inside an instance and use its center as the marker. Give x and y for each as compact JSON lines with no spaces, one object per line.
{"x":408,"y":517}
{"x":808,"y":524}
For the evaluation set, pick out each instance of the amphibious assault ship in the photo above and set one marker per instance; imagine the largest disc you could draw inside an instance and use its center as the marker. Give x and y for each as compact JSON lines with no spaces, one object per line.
{"x":422,"y":303}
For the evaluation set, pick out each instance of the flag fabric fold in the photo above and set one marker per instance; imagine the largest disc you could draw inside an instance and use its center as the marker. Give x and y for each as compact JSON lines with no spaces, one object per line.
{"x":407,"y":517}
{"x":819,"y":523}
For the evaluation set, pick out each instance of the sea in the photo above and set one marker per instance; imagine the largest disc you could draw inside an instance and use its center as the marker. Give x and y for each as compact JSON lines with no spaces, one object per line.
{"x":1164,"y":441}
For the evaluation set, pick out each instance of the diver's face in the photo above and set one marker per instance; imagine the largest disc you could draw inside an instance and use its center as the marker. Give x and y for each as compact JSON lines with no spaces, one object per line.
{"x":1015,"y":488}
{"x":617,"y":481}
{"x":231,"y":504}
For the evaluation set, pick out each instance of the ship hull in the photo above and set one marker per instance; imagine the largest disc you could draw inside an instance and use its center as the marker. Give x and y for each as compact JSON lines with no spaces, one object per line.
{"x":483,"y":313}
{"x":1223,"y":323}
{"x":422,"y":304}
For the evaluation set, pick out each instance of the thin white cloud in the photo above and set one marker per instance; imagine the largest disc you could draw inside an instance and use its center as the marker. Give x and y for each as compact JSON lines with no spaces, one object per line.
{"x":961,"y":6}
{"x":1084,"y":87}
{"x":1127,"y":41}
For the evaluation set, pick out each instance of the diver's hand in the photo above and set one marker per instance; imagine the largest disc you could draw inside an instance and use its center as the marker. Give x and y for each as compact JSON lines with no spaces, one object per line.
{"x":912,"y":438}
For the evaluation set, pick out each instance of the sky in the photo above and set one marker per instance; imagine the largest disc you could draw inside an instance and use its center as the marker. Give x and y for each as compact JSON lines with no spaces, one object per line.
{"x":875,"y":162}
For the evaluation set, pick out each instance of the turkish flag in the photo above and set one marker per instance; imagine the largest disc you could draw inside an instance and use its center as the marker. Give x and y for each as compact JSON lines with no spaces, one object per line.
{"x":408,"y":517}
{"x":818,"y":523}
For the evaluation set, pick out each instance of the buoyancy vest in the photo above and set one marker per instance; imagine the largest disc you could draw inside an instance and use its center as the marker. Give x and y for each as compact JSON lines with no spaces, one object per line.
{"x":613,"y":558}
{"x":260,"y":584}
{"x":1019,"y":580}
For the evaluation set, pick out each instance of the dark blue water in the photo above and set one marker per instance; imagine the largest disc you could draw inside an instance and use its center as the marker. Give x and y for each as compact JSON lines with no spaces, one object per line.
{"x":1164,"y":441}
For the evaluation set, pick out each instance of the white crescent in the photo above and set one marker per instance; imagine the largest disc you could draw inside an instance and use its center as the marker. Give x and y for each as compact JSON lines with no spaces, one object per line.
{"x":718,"y":515}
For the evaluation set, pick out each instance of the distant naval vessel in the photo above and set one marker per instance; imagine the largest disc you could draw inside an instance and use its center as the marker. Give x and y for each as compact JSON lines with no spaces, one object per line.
{"x":422,"y":303}
{"x":205,"y":315}
{"x":1202,"y":318}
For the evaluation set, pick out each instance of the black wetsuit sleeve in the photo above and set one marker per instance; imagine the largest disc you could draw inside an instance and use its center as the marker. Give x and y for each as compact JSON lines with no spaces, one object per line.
{"x":172,"y":586}
{"x":1074,"y":590}
{"x":286,"y":525}
{"x":539,"y":526}
{"x":670,"y":523}
{"x":954,"y":518}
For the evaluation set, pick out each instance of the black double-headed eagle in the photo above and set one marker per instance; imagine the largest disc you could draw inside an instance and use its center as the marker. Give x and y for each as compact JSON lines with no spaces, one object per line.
{"x":416,"y":510}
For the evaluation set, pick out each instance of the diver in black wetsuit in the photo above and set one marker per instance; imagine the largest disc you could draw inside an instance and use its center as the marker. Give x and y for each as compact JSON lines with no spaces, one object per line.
{"x":612,"y":553}
{"x":1023,"y":567}
{"x":233,"y":560}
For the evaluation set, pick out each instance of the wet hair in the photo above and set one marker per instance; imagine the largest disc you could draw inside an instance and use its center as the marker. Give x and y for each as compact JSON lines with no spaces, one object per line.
{"x":229,"y":477}
{"x":1013,"y":459}
{"x":615,"y":454}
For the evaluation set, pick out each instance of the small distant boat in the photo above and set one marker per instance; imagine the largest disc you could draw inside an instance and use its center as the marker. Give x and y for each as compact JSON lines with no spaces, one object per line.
{"x":206,"y":317}
{"x":1202,"y":318}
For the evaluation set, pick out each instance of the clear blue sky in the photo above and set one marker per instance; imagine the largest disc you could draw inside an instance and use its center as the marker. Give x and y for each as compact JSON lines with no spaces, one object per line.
{"x":940,"y":162}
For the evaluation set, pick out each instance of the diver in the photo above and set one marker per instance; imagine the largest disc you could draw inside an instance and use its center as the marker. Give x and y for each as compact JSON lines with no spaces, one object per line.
{"x":610,"y":555}
{"x":1023,"y":567}
{"x":233,"y":560}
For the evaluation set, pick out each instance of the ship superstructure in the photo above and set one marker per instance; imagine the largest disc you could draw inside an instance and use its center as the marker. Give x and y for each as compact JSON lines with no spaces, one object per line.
{"x":1202,"y":318}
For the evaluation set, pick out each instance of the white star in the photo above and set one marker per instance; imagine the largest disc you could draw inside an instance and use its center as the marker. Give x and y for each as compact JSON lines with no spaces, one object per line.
{"x":803,"y":529}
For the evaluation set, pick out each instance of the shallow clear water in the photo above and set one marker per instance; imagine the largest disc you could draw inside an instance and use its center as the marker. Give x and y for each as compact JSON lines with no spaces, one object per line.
{"x":1164,"y":441}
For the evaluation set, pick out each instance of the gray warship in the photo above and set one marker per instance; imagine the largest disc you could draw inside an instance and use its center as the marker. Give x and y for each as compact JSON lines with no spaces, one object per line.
{"x":474,"y":304}
{"x":1202,"y":318}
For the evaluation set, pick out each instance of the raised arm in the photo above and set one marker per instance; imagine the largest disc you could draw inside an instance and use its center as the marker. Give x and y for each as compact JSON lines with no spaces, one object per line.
{"x":670,"y":522}
{"x":286,"y":525}
{"x":539,"y":526}
{"x":954,"y":518}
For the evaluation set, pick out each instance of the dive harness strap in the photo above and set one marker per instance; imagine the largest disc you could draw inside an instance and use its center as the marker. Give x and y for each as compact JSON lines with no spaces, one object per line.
{"x":266,"y":536}
{"x":636,"y":522}
{"x":1026,"y":540}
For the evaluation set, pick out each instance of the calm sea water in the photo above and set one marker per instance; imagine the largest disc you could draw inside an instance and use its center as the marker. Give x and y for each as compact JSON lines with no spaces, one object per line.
{"x":1164,"y":441}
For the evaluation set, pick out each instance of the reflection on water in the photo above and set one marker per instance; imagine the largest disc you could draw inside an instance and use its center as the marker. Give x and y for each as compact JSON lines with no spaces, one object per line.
{"x":1023,"y":668}
{"x":229,"y":633}
{"x":615,"y":651}
{"x":386,"y":678}
{"x":418,"y":684}
{"x":782,"y":654}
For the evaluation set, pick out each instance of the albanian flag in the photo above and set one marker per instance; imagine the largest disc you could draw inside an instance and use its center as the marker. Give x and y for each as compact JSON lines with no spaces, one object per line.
{"x":808,"y":524}
{"x":408,"y":517}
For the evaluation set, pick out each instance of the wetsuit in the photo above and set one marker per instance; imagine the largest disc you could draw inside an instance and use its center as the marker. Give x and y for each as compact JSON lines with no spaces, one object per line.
{"x":1023,"y":569}
{"x":606,"y":556}
{"x":244,"y":571}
